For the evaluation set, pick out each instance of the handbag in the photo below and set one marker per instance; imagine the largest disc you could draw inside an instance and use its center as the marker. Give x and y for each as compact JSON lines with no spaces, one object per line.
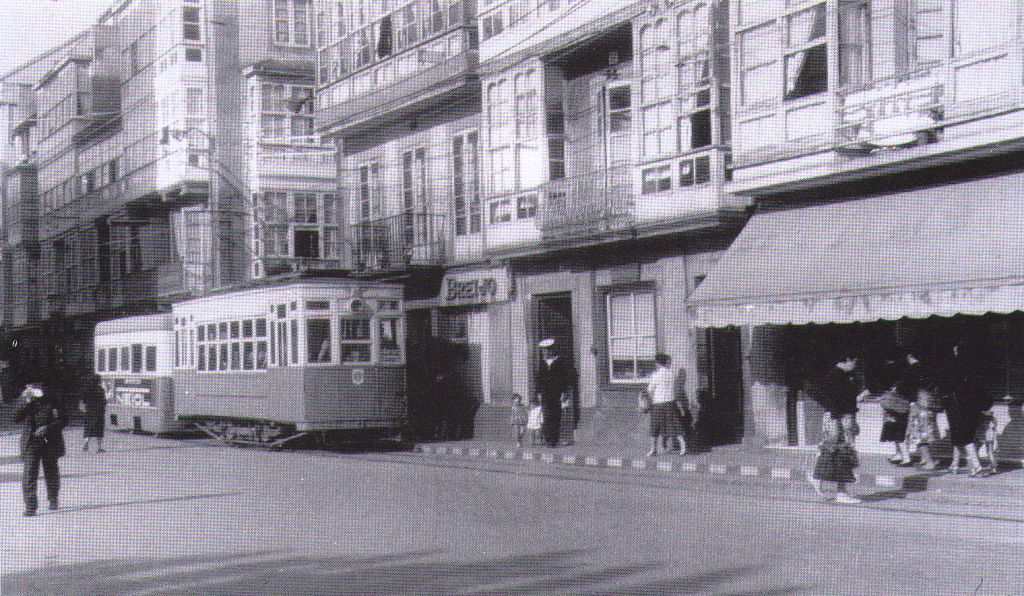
{"x":891,"y":402}
{"x":643,"y":402}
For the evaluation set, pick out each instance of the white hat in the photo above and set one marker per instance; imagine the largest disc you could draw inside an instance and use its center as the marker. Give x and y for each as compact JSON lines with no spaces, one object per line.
{"x":546,"y":343}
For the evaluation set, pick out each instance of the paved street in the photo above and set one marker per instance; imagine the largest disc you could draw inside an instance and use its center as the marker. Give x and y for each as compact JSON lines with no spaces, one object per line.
{"x":155,"y":516}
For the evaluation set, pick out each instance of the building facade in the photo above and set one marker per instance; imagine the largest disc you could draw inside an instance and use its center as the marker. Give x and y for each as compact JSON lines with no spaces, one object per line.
{"x":879,"y":141}
{"x":165,"y":152}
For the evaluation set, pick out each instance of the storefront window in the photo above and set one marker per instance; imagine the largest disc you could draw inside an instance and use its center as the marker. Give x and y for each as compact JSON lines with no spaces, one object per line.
{"x":632,"y":339}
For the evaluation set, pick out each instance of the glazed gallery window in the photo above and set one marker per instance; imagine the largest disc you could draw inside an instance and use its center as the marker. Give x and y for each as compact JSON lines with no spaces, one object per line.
{"x":632,"y":339}
{"x":657,"y":67}
{"x":806,"y":59}
{"x":466,"y":183}
{"x":286,"y":113}
{"x":291,"y":22}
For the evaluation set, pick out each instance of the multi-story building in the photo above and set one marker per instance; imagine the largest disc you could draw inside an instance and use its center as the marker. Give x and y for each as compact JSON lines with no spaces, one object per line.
{"x":880,"y":141}
{"x":399,"y":93}
{"x":535,"y":169}
{"x":606,"y":152}
{"x":169,"y":150}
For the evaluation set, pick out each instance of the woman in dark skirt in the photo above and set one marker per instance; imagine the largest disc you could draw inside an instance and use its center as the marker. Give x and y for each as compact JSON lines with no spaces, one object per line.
{"x":94,"y":406}
{"x":965,"y":400}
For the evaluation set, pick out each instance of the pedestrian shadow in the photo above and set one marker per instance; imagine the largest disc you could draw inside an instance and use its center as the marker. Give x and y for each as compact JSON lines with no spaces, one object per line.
{"x":182,"y":498}
{"x":412,"y":573}
{"x":14,"y":477}
{"x":913,"y":483}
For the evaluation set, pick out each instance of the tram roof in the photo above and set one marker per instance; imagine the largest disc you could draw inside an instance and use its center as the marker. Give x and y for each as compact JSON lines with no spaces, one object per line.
{"x":340,"y":278}
{"x":153,"y":322}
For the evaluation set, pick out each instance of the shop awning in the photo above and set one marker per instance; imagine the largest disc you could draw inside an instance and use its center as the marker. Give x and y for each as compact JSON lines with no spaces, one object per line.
{"x":955,"y":249}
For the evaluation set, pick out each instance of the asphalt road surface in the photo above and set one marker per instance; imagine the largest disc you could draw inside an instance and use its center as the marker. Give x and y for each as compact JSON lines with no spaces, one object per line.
{"x":155,"y":516}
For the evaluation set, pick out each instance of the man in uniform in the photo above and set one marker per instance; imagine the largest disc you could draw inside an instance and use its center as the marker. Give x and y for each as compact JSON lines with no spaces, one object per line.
{"x":554,"y":384}
{"x":42,"y":442}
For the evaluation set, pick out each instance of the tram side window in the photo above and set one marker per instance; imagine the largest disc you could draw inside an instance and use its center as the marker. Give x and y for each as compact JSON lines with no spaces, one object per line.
{"x":101,"y":360}
{"x":150,"y":358}
{"x":261,"y":327}
{"x":389,"y":348}
{"x":318,"y":339}
{"x":112,"y":359}
{"x":126,"y":358}
{"x":202,"y":357}
{"x":224,"y":357}
{"x":355,"y":340}
{"x":236,"y":356}
{"x":136,"y":357}
{"x":248,"y":356}
{"x":295,"y":341}
{"x":177,"y":348}
{"x":261,"y":355}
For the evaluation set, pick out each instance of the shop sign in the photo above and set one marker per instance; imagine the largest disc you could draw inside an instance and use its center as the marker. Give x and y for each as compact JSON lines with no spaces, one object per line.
{"x":475,"y":287}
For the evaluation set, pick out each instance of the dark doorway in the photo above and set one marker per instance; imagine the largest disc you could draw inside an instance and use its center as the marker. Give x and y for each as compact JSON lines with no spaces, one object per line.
{"x":723,"y":408}
{"x":552,"y":318}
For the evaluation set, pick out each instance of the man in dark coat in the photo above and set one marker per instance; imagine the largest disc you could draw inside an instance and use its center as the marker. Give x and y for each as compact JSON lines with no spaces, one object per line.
{"x":42,"y":442}
{"x":554,"y":384}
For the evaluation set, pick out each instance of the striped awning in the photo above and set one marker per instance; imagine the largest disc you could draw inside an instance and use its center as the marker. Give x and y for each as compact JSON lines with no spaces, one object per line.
{"x":954,"y":249}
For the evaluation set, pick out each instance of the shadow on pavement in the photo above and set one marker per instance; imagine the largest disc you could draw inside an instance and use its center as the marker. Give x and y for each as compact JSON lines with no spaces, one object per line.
{"x":16,"y":477}
{"x":410,"y":573}
{"x":914,"y":483}
{"x":182,"y":498}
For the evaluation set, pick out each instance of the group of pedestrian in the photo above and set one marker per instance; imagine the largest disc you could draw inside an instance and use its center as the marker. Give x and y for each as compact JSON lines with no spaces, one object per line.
{"x":550,"y":414}
{"x":923,"y":390}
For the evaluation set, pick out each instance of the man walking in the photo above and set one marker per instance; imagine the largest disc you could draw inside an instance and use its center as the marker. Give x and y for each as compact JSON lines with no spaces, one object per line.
{"x":554,"y":384}
{"x":42,"y":443}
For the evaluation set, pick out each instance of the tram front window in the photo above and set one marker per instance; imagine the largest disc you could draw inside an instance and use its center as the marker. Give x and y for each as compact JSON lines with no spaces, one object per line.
{"x":318,"y":336}
{"x":355,"y":340}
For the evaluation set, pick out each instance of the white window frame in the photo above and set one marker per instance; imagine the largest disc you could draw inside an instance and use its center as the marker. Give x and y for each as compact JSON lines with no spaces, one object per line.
{"x":634,"y":335}
{"x":285,"y":28}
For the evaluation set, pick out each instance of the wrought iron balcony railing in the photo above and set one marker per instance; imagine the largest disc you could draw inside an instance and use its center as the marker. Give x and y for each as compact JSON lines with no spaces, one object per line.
{"x":592,"y":203}
{"x":400,"y":241}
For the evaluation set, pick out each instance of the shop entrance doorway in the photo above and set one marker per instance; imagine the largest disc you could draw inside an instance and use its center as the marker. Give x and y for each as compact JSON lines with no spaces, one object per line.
{"x":723,"y":410}
{"x":553,"y":319}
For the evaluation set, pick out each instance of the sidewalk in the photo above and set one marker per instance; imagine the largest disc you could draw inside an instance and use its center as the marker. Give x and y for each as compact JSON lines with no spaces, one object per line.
{"x":1003,"y":490}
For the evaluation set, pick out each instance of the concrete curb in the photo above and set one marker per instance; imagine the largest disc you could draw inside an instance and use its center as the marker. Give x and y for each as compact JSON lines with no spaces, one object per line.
{"x":677,"y":465}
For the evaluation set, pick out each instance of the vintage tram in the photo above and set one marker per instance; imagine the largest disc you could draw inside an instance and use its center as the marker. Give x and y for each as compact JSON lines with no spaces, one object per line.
{"x":273,"y":361}
{"x":133,"y":358}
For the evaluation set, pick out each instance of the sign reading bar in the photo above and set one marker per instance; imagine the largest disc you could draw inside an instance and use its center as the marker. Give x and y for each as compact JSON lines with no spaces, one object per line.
{"x":475,"y":287}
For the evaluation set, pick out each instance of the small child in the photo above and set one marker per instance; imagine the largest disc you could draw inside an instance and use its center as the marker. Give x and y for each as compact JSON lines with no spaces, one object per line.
{"x":534,"y":421}
{"x":988,"y":437}
{"x":836,"y":462}
{"x":518,"y":417}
